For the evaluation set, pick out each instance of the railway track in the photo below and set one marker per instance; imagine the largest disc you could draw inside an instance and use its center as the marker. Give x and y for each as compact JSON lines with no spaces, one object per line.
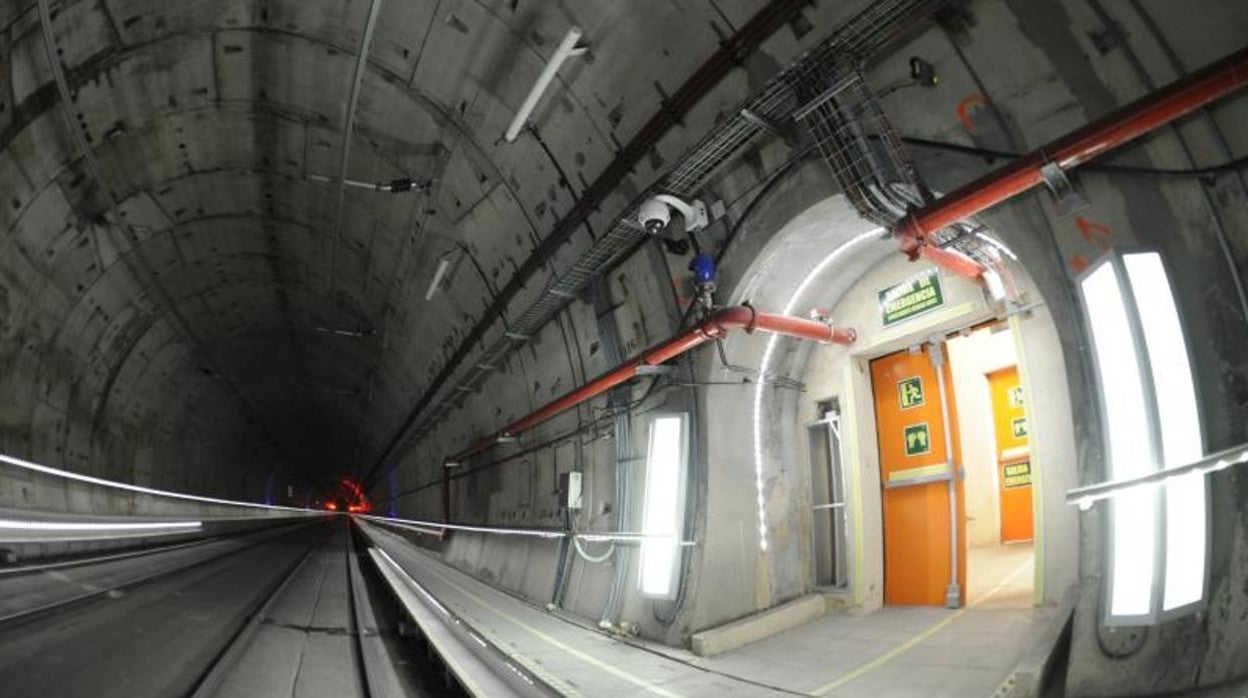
{"x":309,"y":609}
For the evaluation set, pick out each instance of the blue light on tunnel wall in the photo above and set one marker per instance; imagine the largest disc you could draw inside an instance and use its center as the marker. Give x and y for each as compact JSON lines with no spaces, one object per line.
{"x":392,"y":482}
{"x":1157,"y":540}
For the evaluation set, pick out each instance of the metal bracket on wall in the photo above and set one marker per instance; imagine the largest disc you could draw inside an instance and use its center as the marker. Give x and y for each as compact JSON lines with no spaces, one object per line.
{"x":784,"y":130}
{"x":1066,"y":199}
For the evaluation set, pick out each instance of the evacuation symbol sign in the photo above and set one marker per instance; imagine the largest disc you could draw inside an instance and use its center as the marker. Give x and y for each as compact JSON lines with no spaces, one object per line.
{"x":917,"y":440}
{"x":1016,"y":396}
{"x":910,"y":391}
{"x":1019,"y":427}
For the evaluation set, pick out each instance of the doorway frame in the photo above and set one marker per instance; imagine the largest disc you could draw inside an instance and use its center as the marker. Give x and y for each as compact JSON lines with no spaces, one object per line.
{"x":858,"y":403}
{"x":846,"y":510}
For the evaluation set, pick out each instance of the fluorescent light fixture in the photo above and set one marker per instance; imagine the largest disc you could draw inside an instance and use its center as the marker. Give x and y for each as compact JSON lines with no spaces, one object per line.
{"x":1133,"y":527}
{"x":1180,"y":428}
{"x":438,"y":275}
{"x":1153,"y":430}
{"x":566,"y":49}
{"x":666,"y":461}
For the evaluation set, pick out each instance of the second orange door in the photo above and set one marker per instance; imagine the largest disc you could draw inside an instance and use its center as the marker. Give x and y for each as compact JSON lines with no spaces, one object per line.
{"x":1009,"y":414}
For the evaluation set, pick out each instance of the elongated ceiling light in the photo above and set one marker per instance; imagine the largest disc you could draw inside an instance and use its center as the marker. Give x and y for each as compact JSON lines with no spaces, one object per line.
{"x":567,"y":48}
{"x":438,"y":275}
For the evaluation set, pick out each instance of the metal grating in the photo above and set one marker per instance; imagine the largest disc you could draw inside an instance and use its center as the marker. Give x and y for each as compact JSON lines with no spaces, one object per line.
{"x":775,"y":103}
{"x":868,"y":158}
{"x":860,"y":146}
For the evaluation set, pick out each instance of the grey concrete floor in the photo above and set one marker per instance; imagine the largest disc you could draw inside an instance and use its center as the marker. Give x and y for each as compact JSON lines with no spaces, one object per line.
{"x":896,"y":651}
{"x":155,"y":639}
{"x":304,"y":643}
{"x":908,"y":650}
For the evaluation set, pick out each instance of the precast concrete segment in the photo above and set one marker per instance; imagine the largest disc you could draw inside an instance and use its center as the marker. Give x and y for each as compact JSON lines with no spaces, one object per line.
{"x":302,"y":641}
{"x":732,"y":51}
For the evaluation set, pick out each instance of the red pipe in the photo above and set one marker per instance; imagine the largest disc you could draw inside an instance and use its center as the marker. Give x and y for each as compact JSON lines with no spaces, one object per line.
{"x":1122,"y":126}
{"x":717,"y":325}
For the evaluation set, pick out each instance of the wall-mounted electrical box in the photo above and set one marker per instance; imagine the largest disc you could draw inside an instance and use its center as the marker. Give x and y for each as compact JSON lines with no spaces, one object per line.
{"x":570,"y":489}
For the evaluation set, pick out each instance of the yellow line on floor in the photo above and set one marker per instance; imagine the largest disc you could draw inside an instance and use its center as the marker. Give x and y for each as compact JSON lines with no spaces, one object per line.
{"x":593,"y":661}
{"x":920,"y":637}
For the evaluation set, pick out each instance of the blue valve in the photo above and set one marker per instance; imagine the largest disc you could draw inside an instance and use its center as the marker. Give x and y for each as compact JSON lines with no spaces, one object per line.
{"x":703,"y":268}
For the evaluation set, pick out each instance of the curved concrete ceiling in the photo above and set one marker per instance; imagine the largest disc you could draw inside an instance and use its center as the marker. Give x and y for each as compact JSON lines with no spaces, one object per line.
{"x":216,"y":126}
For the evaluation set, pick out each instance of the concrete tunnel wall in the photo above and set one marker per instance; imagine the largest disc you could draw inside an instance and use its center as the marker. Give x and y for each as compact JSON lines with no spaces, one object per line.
{"x":207,"y":119}
{"x":1036,"y":93}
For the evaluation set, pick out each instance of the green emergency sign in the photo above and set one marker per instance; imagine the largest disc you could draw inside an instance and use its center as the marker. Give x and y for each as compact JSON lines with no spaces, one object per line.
{"x":1017,"y":475}
{"x":918,"y":440}
{"x":910,"y":392}
{"x":915,"y":296}
{"x":1019,"y":426}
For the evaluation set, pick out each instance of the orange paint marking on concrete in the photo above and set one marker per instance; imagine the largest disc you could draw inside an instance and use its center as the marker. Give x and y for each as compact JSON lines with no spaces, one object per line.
{"x":974,"y":99}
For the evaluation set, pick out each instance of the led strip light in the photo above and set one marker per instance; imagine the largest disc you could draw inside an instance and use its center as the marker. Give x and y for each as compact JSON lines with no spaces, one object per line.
{"x":35,"y":467}
{"x":96,"y":526}
{"x":772,"y":341}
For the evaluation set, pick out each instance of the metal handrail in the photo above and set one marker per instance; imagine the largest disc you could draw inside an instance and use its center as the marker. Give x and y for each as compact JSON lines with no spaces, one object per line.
{"x":1084,"y":497}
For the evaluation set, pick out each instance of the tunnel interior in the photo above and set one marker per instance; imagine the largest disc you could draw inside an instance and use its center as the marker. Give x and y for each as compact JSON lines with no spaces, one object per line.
{"x":718,"y":331}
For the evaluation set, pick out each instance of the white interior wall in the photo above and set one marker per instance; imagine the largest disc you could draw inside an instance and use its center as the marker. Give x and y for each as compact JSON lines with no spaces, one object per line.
{"x":971,"y":358}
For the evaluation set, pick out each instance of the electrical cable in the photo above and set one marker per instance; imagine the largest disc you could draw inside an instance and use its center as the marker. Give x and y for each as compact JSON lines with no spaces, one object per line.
{"x":576,"y":543}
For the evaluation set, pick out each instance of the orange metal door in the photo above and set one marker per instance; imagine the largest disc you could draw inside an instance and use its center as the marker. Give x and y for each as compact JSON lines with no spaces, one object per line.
{"x":1009,"y":414}
{"x":914,"y":474}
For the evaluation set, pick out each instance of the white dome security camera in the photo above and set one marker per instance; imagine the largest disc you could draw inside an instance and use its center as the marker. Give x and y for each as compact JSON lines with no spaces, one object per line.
{"x":654,"y":215}
{"x":656,"y":212}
